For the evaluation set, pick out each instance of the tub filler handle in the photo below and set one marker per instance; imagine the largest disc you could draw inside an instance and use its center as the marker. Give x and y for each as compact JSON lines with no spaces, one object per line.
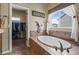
{"x":61,"y":47}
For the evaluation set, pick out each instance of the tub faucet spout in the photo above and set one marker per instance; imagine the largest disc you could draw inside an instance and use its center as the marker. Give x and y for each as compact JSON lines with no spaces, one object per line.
{"x":61,"y":47}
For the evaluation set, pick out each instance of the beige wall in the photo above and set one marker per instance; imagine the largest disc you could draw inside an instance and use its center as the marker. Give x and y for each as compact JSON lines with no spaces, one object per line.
{"x":4,"y":11}
{"x":21,"y":14}
{"x":0,"y":14}
{"x":52,"y":5}
{"x":0,"y":8}
{"x":36,"y":7}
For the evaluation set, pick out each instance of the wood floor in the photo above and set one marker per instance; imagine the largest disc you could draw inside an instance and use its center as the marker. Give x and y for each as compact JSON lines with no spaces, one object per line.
{"x":19,"y":48}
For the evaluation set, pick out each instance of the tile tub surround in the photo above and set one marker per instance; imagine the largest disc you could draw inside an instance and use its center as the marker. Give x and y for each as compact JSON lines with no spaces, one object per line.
{"x":73,"y":50}
{"x":35,"y":34}
{"x":60,"y":34}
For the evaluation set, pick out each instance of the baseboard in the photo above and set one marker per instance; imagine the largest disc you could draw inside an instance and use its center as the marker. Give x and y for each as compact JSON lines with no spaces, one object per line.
{"x":5,"y":52}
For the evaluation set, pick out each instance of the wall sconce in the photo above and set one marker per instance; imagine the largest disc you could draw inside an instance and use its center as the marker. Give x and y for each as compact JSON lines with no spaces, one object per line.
{"x":2,"y":20}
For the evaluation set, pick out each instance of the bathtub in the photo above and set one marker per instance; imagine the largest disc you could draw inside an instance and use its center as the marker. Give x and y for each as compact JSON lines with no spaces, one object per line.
{"x":54,"y":42}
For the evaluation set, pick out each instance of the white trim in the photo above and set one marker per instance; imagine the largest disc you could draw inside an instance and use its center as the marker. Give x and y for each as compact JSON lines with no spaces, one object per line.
{"x":28,"y":31}
{"x":5,"y":52}
{"x":19,"y":7}
{"x":10,"y":25}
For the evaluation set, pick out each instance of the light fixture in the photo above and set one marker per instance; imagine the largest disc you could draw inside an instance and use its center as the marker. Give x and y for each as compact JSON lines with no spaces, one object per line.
{"x":2,"y":20}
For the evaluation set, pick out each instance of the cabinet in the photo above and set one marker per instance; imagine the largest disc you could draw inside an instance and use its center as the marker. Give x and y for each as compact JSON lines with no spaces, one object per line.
{"x":0,"y":43}
{"x":1,"y":33}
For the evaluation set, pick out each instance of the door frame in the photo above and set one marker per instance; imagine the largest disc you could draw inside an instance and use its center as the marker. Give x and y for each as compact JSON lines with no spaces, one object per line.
{"x":10,"y":24}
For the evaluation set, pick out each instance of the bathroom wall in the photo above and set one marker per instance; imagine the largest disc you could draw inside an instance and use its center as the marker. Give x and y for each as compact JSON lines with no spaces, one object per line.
{"x":0,"y":14}
{"x":5,"y":38}
{"x":42,"y":21}
{"x":52,"y":5}
{"x":58,"y":7}
{"x":21,"y":14}
{"x":35,"y":7}
{"x":0,"y":33}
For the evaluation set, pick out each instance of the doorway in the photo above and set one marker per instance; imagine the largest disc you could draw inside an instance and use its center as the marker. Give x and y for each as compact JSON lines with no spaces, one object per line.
{"x":19,"y":28}
{"x":19,"y":25}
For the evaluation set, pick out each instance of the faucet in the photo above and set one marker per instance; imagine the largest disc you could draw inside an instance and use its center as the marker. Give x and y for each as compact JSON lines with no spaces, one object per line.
{"x":61,"y":47}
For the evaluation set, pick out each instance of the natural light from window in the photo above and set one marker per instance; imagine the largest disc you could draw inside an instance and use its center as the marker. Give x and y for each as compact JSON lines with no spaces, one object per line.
{"x":15,"y":18}
{"x":54,"y":17}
